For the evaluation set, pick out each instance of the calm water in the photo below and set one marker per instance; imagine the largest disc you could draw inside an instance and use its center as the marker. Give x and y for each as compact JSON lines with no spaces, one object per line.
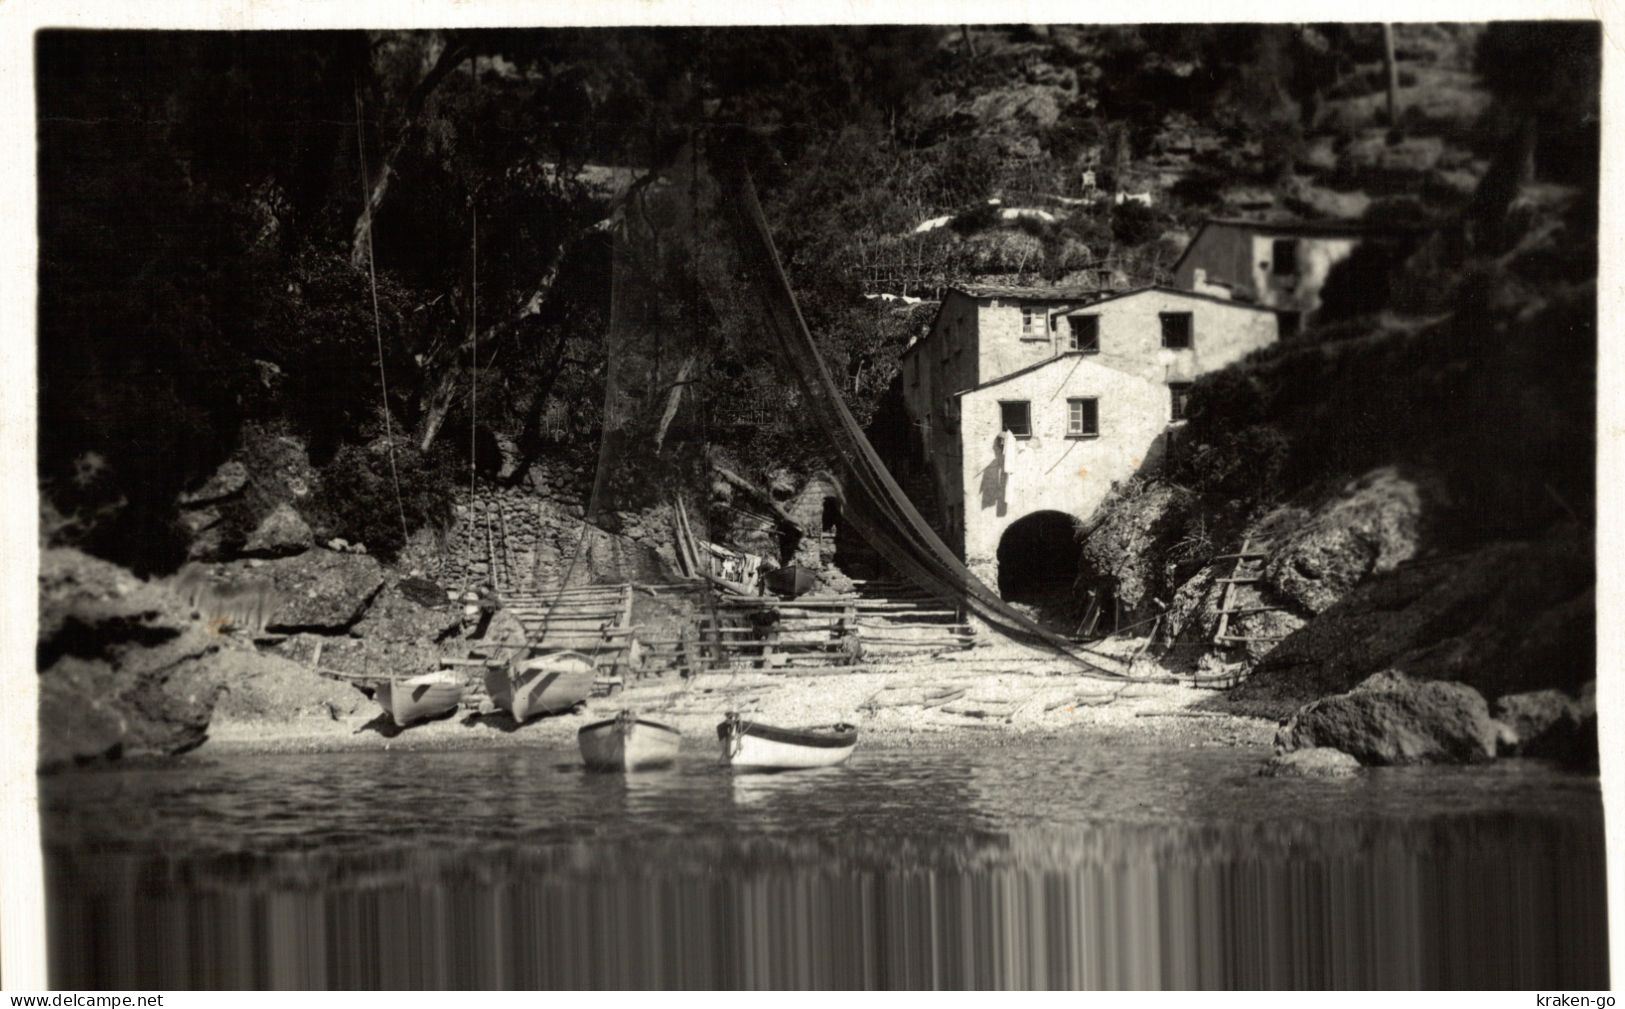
{"x":1045,"y":864}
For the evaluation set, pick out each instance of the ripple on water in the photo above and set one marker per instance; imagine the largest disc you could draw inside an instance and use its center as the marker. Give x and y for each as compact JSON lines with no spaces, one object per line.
{"x":1033,"y":866}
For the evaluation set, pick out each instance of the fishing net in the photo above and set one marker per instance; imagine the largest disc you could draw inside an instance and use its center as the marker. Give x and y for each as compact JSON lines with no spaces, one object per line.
{"x":696,"y":271}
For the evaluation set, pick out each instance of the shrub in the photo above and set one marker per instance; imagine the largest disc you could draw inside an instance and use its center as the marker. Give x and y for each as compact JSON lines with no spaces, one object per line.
{"x":357,"y":496}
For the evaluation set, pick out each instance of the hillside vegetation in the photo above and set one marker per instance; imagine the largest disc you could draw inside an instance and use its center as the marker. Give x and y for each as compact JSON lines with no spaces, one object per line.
{"x":207,"y":265}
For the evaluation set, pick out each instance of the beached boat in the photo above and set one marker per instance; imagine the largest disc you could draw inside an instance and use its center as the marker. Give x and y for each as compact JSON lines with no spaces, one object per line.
{"x":627,"y":743}
{"x":546,"y":683}
{"x":419,"y":697}
{"x":754,"y":746}
{"x":790,"y":582}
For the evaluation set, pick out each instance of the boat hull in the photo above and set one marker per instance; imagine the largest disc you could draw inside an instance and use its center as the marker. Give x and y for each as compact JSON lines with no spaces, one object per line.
{"x":418,"y":698}
{"x":790,"y":582}
{"x":749,"y":746}
{"x":627,"y":744}
{"x":541,"y":686}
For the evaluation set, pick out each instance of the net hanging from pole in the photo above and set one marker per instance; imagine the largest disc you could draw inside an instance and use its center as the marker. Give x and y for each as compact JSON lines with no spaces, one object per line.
{"x":696,"y":271}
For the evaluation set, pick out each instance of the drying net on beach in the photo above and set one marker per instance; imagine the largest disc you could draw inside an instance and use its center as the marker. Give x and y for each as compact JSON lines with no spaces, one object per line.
{"x":695,"y":267}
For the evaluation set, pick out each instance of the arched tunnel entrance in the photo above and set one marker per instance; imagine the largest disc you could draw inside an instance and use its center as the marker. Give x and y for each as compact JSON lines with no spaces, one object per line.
{"x":1038,"y":558}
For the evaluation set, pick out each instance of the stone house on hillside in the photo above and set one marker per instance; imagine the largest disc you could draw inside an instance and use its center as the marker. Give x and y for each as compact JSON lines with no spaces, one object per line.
{"x":1278,"y":264}
{"x":1029,"y":409}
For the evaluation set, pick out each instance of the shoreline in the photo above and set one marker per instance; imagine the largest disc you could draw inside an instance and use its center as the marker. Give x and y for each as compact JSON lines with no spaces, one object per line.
{"x":893,"y":707}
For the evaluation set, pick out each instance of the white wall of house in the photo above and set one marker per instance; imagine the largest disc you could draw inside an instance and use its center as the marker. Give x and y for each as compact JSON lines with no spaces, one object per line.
{"x":1298,"y":291}
{"x":1131,"y":333}
{"x":1239,"y":260}
{"x":1052,"y":469}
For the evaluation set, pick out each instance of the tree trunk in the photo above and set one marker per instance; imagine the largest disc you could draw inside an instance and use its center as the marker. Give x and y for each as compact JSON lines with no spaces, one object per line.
{"x":452,"y":55}
{"x":437,"y":404}
{"x":673,"y":399}
{"x":1391,"y":65}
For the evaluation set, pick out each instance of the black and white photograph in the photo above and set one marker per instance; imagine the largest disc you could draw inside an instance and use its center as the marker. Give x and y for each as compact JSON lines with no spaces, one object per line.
{"x":1088,"y":506}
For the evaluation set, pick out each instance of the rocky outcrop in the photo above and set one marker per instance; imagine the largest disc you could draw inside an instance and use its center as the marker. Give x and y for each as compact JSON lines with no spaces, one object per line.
{"x":282,"y":533}
{"x":1314,"y":762}
{"x":319,"y":590}
{"x":258,"y":688}
{"x":227,"y":481}
{"x":1393,"y":719}
{"x":116,"y":658}
{"x":1373,"y":525}
{"x":1504,"y":618}
{"x":1551,"y":724}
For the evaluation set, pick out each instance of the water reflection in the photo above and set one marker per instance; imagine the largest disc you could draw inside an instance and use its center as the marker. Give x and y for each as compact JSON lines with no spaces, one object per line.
{"x":997,"y":868}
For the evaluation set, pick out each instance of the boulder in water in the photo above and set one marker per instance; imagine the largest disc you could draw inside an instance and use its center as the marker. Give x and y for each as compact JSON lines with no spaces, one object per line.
{"x":1391,"y":718}
{"x":1551,"y":724}
{"x":1314,"y":762}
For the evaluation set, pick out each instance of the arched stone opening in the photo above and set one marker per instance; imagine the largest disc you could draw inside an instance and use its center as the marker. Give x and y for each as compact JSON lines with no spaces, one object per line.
{"x":1038,"y":556}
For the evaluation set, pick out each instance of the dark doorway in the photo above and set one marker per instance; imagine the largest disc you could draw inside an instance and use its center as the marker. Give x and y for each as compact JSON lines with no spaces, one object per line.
{"x":1038,"y":557}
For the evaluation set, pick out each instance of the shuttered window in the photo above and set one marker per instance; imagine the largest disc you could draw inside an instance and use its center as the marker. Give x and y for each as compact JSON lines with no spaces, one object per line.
{"x":1083,"y":418}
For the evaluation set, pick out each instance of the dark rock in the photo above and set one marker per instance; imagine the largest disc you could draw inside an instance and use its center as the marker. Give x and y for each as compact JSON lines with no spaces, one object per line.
{"x":1504,"y":618}
{"x":422,"y":591}
{"x":116,"y":657}
{"x":1373,"y":525}
{"x":1551,"y":724}
{"x":1393,"y":719}
{"x":317,"y":590}
{"x":268,"y":688}
{"x":1314,"y":762}
{"x":228,"y":480}
{"x":196,"y":520}
{"x":280,"y":534}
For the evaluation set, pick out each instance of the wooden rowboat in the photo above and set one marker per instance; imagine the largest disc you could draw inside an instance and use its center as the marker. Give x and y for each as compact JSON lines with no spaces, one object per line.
{"x":627,"y":743}
{"x":413,"y":700}
{"x":754,"y":746}
{"x":544,"y":684}
{"x":790,"y":582}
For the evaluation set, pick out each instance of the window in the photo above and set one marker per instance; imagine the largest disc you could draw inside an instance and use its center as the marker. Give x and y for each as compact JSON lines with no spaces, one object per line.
{"x":1176,"y":330}
{"x":1083,"y":418}
{"x":1032,"y":324}
{"x":1289,"y":323}
{"x":1284,"y":257}
{"x":1015,"y":416}
{"x":1179,"y":394}
{"x":1085,"y":333}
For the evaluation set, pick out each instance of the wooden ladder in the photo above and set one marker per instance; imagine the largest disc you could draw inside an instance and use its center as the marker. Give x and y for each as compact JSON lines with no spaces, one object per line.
{"x":1247,"y":570}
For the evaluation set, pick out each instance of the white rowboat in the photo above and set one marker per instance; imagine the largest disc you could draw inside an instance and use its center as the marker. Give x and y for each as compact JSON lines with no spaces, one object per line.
{"x":543,"y":684}
{"x":413,"y":700}
{"x":627,"y":743}
{"x":752,"y":746}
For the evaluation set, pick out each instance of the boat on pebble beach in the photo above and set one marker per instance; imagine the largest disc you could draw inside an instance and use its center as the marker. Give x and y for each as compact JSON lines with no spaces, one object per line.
{"x":420,"y":697}
{"x":753,"y":746}
{"x":627,"y":743}
{"x":547,"y":683}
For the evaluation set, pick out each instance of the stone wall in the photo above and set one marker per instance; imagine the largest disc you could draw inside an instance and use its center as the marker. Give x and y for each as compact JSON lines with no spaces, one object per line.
{"x":522,"y":539}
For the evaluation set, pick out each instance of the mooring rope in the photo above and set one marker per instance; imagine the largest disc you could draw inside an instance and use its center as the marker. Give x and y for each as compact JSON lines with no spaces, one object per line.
{"x":377,"y":323}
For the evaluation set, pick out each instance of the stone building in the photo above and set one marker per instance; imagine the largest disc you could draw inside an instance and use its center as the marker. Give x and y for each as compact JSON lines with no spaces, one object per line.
{"x":980,"y":333}
{"x":1029,"y":409}
{"x":1278,"y":264}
